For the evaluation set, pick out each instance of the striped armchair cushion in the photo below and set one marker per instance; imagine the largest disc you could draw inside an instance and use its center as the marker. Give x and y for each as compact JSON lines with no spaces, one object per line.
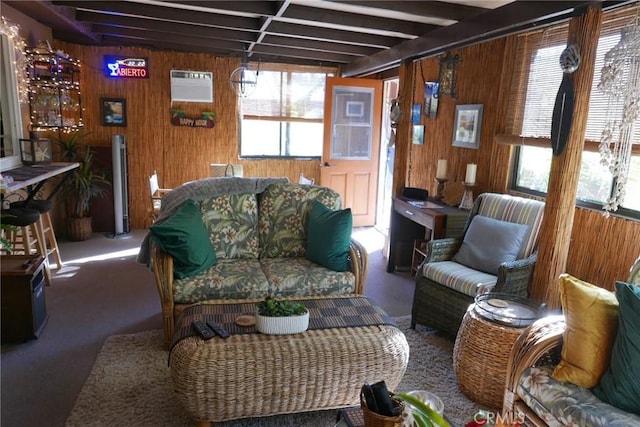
{"x":515,"y":209}
{"x":459,"y":277}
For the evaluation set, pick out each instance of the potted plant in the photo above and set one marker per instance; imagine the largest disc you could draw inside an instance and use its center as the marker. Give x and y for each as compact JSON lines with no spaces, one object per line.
{"x":84,"y":184}
{"x":423,"y":414}
{"x":281,"y":317}
{"x":5,"y":243}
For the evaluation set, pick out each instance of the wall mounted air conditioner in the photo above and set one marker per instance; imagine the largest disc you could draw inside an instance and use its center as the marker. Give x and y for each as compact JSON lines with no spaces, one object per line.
{"x":191,"y":86}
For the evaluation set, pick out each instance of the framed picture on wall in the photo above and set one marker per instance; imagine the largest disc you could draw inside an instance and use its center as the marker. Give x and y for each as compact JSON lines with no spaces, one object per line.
{"x":114,"y":111}
{"x":417,"y":134}
{"x":467,"y":126}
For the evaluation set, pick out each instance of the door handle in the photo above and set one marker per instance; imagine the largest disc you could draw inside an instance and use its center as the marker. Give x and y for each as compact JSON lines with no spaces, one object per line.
{"x":327,"y":165}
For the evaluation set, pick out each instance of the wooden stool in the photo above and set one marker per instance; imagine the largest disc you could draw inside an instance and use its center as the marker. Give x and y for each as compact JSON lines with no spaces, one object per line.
{"x":46,"y":227}
{"x":28,"y":238}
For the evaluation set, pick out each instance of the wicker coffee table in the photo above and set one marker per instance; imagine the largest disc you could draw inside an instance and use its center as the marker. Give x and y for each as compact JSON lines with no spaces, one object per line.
{"x":253,"y":375}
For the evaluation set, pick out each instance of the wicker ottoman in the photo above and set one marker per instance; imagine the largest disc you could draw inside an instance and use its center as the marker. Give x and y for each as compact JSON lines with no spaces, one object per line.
{"x":253,"y":375}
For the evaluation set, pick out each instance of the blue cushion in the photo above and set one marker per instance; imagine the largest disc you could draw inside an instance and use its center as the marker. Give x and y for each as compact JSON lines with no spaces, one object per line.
{"x":620,"y":385}
{"x":185,"y":237}
{"x":490,"y":242}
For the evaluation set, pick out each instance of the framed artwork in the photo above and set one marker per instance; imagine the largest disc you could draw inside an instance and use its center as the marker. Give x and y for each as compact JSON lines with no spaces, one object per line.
{"x":415,"y":114}
{"x":417,"y":134}
{"x":467,"y":126}
{"x":354,"y":109}
{"x":114,"y":111}
{"x":431,"y":99}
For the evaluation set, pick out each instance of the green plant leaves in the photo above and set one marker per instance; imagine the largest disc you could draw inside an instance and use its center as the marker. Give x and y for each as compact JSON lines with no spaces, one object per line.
{"x":422,"y":413}
{"x":273,"y":308}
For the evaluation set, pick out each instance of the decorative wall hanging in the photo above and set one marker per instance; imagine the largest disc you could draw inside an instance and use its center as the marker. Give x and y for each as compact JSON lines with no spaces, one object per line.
{"x":243,"y":81}
{"x":417,"y":136}
{"x":19,"y":47}
{"x":563,"y":109}
{"x":620,"y":82}
{"x":114,"y":111}
{"x":448,"y":75}
{"x":415,"y":114}
{"x":431,"y":99}
{"x":467,"y":126}
{"x":206,"y":120}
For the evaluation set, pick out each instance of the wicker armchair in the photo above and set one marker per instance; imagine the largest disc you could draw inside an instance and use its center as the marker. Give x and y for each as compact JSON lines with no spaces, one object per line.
{"x":445,"y":289}
{"x":540,"y":344}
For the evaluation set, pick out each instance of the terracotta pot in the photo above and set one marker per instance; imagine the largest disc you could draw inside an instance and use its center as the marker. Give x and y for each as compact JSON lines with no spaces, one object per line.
{"x":79,"y":229}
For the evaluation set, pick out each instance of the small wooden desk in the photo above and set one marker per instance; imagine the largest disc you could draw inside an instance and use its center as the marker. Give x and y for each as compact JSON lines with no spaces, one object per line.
{"x":429,"y":219}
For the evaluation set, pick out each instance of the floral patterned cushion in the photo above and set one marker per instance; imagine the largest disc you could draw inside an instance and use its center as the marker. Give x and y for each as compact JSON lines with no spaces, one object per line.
{"x":565,"y":404}
{"x":284,"y":210}
{"x":228,"y":279}
{"x":300,"y":277}
{"x":232,"y":221}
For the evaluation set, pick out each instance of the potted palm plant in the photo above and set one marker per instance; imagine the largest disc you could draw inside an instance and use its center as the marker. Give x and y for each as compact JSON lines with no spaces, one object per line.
{"x":281,"y":317}
{"x":85,"y":183}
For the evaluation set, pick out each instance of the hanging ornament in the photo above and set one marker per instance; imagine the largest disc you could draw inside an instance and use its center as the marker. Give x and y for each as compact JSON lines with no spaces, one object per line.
{"x":563,"y":108}
{"x":620,"y":83}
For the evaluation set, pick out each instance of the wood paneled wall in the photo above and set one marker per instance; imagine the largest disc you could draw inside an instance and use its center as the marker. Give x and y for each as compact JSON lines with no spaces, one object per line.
{"x":179,"y":154}
{"x":602,"y":249}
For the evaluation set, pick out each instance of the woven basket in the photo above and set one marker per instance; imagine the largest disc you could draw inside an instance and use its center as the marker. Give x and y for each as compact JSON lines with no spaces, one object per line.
{"x":372,"y":419}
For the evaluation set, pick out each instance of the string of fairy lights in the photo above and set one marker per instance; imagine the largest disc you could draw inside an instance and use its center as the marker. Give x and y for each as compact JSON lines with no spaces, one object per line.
{"x":48,"y":81}
{"x":55,"y":99}
{"x":12,"y":31}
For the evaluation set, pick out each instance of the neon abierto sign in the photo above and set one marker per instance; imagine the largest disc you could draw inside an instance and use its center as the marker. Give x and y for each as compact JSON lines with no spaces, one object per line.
{"x":126,"y":67}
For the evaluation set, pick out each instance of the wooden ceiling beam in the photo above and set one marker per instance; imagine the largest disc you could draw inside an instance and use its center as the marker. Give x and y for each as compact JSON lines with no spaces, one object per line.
{"x":318,"y":33}
{"x":511,"y":18}
{"x":163,"y":37}
{"x":363,"y":22}
{"x":325,"y":46}
{"x":319,"y":57}
{"x":115,"y":8}
{"x":164,"y":26}
{"x":432,"y":9}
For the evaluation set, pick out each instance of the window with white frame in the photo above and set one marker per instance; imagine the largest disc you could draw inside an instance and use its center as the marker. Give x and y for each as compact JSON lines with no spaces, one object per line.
{"x":283,"y":117}
{"x":535,"y":88}
{"x":10,"y":115}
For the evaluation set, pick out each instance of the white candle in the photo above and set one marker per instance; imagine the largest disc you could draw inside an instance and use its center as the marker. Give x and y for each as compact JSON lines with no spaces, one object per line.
{"x":471,"y":173}
{"x":441,"y":173}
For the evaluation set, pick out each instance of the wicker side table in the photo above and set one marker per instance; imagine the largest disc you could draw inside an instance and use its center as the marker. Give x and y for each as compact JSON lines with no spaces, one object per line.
{"x":480,"y":357}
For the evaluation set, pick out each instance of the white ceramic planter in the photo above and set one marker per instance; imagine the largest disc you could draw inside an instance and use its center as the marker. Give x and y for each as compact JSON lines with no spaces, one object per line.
{"x":282,"y":325}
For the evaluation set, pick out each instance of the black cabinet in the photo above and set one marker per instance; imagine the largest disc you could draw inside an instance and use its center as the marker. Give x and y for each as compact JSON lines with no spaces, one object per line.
{"x":22,"y":306}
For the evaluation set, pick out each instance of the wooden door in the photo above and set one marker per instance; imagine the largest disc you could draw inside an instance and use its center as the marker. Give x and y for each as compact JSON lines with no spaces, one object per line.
{"x":353,"y":111}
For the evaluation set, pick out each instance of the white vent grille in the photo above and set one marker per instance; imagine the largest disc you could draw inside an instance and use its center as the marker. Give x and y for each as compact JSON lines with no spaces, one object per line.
{"x":191,"y":86}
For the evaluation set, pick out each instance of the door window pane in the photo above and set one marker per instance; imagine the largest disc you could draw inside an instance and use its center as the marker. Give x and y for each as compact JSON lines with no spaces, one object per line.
{"x":351,"y":137}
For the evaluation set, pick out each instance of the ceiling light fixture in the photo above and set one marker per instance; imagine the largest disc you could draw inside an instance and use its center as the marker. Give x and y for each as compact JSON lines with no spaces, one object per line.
{"x":243,"y":81}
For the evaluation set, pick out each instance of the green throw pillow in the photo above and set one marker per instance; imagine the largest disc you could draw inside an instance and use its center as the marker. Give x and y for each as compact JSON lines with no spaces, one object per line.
{"x":620,"y":385}
{"x":329,"y":237}
{"x":185,"y":237}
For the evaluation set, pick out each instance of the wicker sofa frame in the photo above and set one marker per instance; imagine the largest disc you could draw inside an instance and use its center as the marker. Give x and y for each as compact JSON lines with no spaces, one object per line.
{"x":162,"y":264}
{"x":540,"y":344}
{"x":442,"y":308}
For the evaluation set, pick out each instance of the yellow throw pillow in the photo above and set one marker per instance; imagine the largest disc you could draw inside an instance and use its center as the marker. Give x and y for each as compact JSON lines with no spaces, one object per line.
{"x":591,"y":315}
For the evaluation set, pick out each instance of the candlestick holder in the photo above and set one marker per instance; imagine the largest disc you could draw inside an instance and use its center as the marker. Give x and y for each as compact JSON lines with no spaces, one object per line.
{"x":467,"y":197}
{"x":440,"y":193}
